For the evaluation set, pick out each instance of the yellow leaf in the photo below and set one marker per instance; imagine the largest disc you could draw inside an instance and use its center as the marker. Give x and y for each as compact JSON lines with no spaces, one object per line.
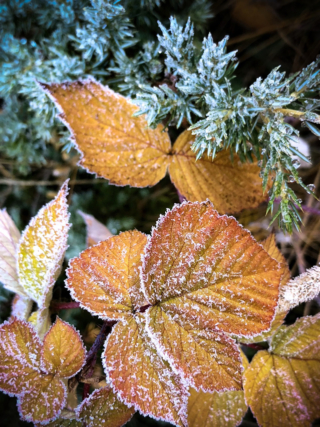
{"x":123,"y":149}
{"x":33,"y":371}
{"x":102,"y":408}
{"x":230,"y":186}
{"x":105,"y":283}
{"x":19,"y":356}
{"x":96,"y":231}
{"x":9,"y":238}
{"x":209,"y":272}
{"x":112,"y":143}
{"x":140,"y":376}
{"x":216,"y":409}
{"x":42,"y":247}
{"x":44,"y":401}
{"x":210,"y":360}
{"x":41,"y":320}
{"x":63,"y":353}
{"x":282,"y":385}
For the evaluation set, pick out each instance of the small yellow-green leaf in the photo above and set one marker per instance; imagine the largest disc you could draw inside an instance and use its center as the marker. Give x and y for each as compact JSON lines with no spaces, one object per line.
{"x":42,"y":247}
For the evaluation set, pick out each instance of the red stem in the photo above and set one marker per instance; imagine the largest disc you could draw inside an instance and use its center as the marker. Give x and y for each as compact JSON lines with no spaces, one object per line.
{"x":254,"y":346}
{"x":57,"y":306}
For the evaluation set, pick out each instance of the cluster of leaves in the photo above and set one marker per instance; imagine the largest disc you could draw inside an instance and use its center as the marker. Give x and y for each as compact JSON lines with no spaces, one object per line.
{"x":250,"y":122}
{"x":180,"y":301}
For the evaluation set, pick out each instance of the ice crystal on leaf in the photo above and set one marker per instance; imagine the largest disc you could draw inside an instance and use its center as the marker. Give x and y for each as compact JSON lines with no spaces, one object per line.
{"x":282,"y":385}
{"x":202,"y":278}
{"x":123,"y":149}
{"x":34,"y":371}
{"x":42,"y":247}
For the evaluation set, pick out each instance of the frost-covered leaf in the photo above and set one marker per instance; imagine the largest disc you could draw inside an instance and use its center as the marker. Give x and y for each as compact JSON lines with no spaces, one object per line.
{"x":140,"y":376}
{"x":103,"y":408}
{"x":62,"y":422}
{"x":230,"y":186}
{"x":42,"y":247}
{"x":9,"y":238}
{"x":105,"y":277}
{"x":31,"y":370}
{"x":270,"y":246}
{"x":210,"y":272}
{"x":282,"y":384}
{"x":210,"y":360}
{"x":21,"y":307}
{"x":63,"y":353}
{"x":96,"y":231}
{"x":217,"y":409}
{"x":300,"y":289}
{"x":19,"y":356}
{"x":113,"y":144}
{"x":44,"y":401}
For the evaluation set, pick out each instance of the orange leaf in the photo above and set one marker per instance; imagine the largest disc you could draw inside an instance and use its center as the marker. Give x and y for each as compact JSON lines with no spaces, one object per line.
{"x":102,"y":408}
{"x":42,"y":247}
{"x":231,"y":187}
{"x":105,"y":277}
{"x":96,"y":231}
{"x":63,"y":353}
{"x":209,"y":360}
{"x":140,"y":376}
{"x":112,"y":143}
{"x":44,"y":401}
{"x":19,"y":356}
{"x":209,"y":272}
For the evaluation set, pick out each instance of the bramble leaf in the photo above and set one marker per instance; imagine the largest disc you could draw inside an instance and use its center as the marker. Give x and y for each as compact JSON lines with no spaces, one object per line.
{"x":42,"y":247}
{"x":282,"y":385}
{"x":105,"y":283}
{"x":123,"y":149}
{"x":103,"y":408}
{"x":140,"y":376}
{"x":62,"y":422}
{"x":9,"y":239}
{"x":44,"y":401}
{"x":112,"y":143}
{"x":19,"y":356}
{"x":96,"y":231}
{"x":230,"y":186}
{"x":208,"y":272}
{"x":63,"y":353}
{"x":33,"y":370}
{"x":217,"y":409}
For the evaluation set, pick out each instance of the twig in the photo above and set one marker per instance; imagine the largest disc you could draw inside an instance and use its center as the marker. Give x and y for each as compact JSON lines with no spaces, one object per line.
{"x":49,"y":183}
{"x":254,"y":346}
{"x":57,"y":306}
